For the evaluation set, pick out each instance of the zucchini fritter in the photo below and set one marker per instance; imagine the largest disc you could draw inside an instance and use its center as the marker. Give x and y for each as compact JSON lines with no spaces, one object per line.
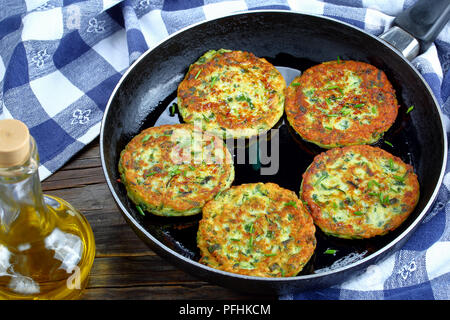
{"x":256,"y":229}
{"x":233,"y":94}
{"x":173,"y":170}
{"x":340,"y":103}
{"x":359,"y":191}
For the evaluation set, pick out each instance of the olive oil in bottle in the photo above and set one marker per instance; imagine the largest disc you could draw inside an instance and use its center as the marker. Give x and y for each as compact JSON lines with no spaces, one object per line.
{"x":47,"y":247}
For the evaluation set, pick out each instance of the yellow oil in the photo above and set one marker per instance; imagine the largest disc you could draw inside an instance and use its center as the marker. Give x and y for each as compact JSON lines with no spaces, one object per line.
{"x":30,"y":268}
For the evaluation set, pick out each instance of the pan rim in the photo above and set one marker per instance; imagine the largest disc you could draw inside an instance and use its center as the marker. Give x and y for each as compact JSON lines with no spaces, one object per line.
{"x":354,"y":265}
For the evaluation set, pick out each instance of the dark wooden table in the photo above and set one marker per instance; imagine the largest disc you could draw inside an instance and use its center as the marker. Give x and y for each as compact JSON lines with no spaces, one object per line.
{"x":124,"y":267}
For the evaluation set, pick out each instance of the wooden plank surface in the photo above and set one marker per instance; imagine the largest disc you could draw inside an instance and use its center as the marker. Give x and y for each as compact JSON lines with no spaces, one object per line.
{"x":124,"y":267}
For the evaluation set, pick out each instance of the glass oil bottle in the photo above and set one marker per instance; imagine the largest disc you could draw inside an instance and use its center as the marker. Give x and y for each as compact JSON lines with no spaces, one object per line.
{"x":47,"y":247}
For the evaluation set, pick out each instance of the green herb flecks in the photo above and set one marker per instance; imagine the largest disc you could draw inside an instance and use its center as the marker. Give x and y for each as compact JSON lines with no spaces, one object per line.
{"x":141,"y":212}
{"x":174,"y":171}
{"x":150,"y":174}
{"x":244,"y":97}
{"x":330,"y":251}
{"x":399,"y":178}
{"x":321,"y":178}
{"x":213,"y":80}
{"x":345,"y":111}
{"x":173,"y":109}
{"x":290,"y":203}
{"x":336,"y":88}
{"x":392,"y":165}
{"x":326,"y":113}
{"x":205,"y":117}
{"x":384,"y":200}
{"x":250,"y":243}
{"x":270,"y":254}
{"x":270,"y":234}
{"x":214,"y":247}
{"x":249,"y":227}
{"x":388,"y":143}
{"x":371,"y":183}
{"x":410,"y":109}
{"x":146,"y":138}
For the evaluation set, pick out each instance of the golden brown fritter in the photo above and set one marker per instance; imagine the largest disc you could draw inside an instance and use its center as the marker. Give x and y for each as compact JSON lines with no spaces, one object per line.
{"x":256,"y":229}
{"x":359,"y":191}
{"x":341,"y":103}
{"x":173,"y":170}
{"x":233,"y":94}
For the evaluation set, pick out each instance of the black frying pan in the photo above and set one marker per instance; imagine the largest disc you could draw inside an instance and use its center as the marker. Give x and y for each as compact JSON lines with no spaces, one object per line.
{"x":142,"y":97}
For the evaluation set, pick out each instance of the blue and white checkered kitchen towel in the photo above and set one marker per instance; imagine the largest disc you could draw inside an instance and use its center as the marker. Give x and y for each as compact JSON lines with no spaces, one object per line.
{"x":60,"y":60}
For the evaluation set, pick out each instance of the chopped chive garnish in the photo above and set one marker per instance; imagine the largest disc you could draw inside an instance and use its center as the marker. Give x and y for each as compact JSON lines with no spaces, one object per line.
{"x":358,"y":213}
{"x":328,"y":128}
{"x":250,"y":242}
{"x":198,"y":73}
{"x":330,"y":251}
{"x":295,"y":84}
{"x":409,"y":109}
{"x":388,"y":143}
{"x":172,"y":109}
{"x":205,"y":117}
{"x":213,"y":80}
{"x":371,"y":183}
{"x":139,"y":209}
{"x":391,"y":164}
{"x":322,"y":177}
{"x":146,"y":138}
{"x":333,"y":87}
{"x":399,"y":178}
{"x":249,"y":227}
{"x":359,"y":105}
{"x":338,"y":59}
{"x":290,"y":203}
{"x":270,"y":254}
{"x":383,"y":200}
{"x":344,"y":111}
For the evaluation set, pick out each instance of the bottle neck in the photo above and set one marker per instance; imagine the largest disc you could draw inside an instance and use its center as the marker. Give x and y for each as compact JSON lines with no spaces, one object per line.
{"x":20,"y":191}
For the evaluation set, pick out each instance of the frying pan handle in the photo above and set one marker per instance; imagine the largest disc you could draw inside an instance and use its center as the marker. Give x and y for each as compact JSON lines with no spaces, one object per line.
{"x":423,"y":21}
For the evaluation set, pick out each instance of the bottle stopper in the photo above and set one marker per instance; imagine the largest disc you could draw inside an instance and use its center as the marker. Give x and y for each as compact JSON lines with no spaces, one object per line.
{"x":14,"y":143}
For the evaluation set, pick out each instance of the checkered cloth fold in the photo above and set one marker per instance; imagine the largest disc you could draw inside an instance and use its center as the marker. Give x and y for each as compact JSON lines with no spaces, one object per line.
{"x":60,"y":60}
